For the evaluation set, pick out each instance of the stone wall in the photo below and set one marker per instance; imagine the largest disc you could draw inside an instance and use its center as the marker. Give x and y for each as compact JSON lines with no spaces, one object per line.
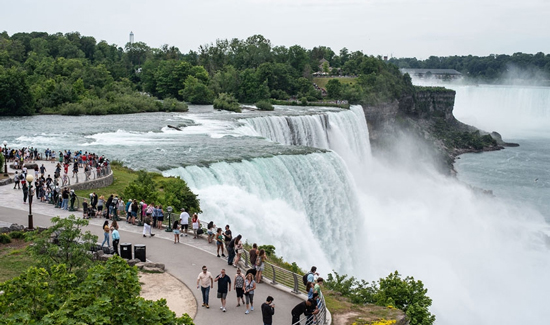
{"x":95,"y":183}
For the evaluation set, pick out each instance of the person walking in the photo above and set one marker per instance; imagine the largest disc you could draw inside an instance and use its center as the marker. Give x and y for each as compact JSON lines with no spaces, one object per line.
{"x":205,"y":282}
{"x":268,"y":310}
{"x":184,"y":221}
{"x":147,"y":227}
{"x":25,"y":192}
{"x":238,"y":250}
{"x":106,"y":233}
{"x":239,"y":287}
{"x":224,"y":285}
{"x":253,"y":254}
{"x":115,"y":235}
{"x":249,"y":287}
{"x":176,"y":231}
{"x":16,"y":181}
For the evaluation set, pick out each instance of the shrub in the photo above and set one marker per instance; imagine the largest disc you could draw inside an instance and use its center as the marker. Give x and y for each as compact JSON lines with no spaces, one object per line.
{"x":227,"y":102}
{"x":17,"y":235}
{"x":173,"y":105}
{"x":5,"y":239}
{"x":264,"y":105}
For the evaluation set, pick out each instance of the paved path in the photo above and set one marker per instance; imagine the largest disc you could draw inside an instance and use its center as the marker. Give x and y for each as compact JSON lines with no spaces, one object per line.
{"x":183,"y":260}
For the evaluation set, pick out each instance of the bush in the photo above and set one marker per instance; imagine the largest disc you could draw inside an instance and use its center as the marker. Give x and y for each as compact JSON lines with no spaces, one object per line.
{"x":5,"y":239}
{"x":17,"y":235}
{"x":264,"y":105}
{"x":173,"y":105}
{"x":227,"y":102}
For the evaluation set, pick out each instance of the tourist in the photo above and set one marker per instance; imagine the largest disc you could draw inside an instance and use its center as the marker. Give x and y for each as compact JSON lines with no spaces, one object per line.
{"x":238,"y":286}
{"x":238,"y":250}
{"x":16,"y":181}
{"x":65,"y":196}
{"x":155,"y":214}
{"x":25,"y":192}
{"x":160,"y":217}
{"x":231,"y":250}
{"x":120,"y":208}
{"x":176,"y":231}
{"x":196,"y":223}
{"x":249,"y":287}
{"x":308,"y":308}
{"x":311,"y":275}
{"x":134,"y":207}
{"x":268,"y":310}
{"x":150,"y":210}
{"x":147,"y":227}
{"x":227,"y":236}
{"x":93,"y":200}
{"x":224,"y":285}
{"x":128,"y":210}
{"x":309,"y":290}
{"x":260,"y":265}
{"x":206,"y":282}
{"x":85,"y":209}
{"x":253,"y":254}
{"x":144,"y":208}
{"x":116,"y":236}
{"x":211,"y":231}
{"x":184,"y":221}
{"x":109,"y":205}
{"x":42,"y":170}
{"x":219,"y":242}
{"x":106,"y":231}
{"x":100,"y":203}
{"x":317,"y":288}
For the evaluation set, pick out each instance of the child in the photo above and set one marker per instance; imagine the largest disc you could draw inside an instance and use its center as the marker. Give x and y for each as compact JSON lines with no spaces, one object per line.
{"x":176,"y":231}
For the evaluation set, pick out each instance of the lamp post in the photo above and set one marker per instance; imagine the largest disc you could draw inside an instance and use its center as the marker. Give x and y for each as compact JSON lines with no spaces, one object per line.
{"x":30,"y":178}
{"x":5,"y":158}
{"x":169,"y":210}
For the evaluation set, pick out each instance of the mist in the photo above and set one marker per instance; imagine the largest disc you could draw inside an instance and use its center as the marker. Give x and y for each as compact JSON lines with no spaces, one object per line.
{"x":483,"y":260}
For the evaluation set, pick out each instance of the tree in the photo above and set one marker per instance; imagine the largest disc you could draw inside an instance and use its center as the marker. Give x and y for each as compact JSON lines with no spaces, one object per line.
{"x":70,"y":245}
{"x":334,"y":89}
{"x":227,"y":102}
{"x":142,"y":188}
{"x":177,"y":194}
{"x":196,"y":92}
{"x":15,"y":96}
{"x":108,"y":295}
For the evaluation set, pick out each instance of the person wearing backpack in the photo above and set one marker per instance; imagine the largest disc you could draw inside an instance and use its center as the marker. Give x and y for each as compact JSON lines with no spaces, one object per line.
{"x":310,"y":276}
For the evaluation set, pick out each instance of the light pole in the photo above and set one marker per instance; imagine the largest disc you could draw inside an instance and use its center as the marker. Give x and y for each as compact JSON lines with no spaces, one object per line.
{"x":30,"y":178}
{"x":5,"y":158}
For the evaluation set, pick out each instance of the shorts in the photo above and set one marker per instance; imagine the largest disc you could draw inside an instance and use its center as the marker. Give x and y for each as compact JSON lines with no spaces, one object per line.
{"x":260,"y":267}
{"x":184,"y":227}
{"x":134,"y":214}
{"x":222,"y":295}
{"x":176,"y":232}
{"x":249,"y":298}
{"x":160,"y":218}
{"x":100,"y":208}
{"x":240,"y":292}
{"x":219,"y":243}
{"x":210,"y":233}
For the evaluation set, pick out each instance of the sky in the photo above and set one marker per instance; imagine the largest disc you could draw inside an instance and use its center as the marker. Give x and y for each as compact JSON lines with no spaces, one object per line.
{"x":398,"y":28}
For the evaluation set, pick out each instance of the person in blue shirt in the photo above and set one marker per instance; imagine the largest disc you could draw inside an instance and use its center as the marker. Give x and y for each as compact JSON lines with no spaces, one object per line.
{"x":115,"y":235}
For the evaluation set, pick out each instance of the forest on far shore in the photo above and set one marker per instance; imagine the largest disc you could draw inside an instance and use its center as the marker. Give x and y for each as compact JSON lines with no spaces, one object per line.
{"x":43,"y":73}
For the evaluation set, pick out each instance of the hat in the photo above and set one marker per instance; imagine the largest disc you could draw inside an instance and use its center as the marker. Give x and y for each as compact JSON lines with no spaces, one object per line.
{"x":129,"y":200}
{"x":182,"y":209}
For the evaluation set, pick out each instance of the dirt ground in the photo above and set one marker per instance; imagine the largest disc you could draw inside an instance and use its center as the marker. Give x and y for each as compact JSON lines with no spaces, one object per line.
{"x":163,"y":285}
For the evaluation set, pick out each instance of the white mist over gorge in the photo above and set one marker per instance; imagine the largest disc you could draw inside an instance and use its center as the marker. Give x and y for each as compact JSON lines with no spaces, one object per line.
{"x":305,"y":180}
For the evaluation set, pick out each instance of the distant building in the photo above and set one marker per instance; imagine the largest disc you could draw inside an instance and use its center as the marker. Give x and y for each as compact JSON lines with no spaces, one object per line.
{"x":131,"y":37}
{"x":433,"y":73}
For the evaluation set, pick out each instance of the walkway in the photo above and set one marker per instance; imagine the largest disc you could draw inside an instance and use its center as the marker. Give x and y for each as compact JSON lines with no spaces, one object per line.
{"x":183,"y":260}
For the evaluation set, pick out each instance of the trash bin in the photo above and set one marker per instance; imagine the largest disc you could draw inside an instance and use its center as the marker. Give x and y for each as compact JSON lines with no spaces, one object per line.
{"x":139,"y":252}
{"x":126,"y":251}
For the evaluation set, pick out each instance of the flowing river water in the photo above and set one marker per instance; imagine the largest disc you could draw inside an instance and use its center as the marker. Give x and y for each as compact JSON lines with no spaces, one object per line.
{"x":304,"y":180}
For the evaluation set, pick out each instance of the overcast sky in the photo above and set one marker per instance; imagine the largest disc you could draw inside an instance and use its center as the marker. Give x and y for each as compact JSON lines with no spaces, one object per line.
{"x":402,"y":28}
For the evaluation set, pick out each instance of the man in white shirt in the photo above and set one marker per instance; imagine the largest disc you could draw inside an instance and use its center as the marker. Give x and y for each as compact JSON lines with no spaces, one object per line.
{"x":184,"y":221}
{"x":205,"y":282}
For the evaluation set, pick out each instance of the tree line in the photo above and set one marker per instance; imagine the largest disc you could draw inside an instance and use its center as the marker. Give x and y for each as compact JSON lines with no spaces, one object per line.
{"x":74,"y":74}
{"x":486,"y":68}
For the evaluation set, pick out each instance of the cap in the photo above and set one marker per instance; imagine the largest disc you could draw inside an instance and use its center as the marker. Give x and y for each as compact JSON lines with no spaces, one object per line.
{"x":182,"y":209}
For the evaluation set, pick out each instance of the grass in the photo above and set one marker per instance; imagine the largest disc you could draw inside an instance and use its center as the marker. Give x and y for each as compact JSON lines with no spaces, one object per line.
{"x":322,"y":82}
{"x":14,"y":259}
{"x":122,"y":177}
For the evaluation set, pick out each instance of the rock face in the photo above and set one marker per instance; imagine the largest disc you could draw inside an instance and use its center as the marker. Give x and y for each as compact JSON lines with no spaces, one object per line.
{"x":426,"y":116}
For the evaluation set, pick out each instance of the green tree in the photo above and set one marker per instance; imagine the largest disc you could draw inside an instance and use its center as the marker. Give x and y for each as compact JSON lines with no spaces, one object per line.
{"x":70,"y":245}
{"x":177,"y":194}
{"x":142,"y":188}
{"x":108,"y":295}
{"x":15,"y":96}
{"x":196,"y":92}
{"x":227,"y":102}
{"x":334,"y":89}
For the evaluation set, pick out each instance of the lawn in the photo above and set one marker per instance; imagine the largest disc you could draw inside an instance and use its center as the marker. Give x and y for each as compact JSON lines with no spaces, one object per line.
{"x":14,"y":259}
{"x":322,"y":82}
{"x":122,"y":177}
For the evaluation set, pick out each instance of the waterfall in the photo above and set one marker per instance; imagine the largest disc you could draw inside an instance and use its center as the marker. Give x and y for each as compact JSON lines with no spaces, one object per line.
{"x":305,"y":205}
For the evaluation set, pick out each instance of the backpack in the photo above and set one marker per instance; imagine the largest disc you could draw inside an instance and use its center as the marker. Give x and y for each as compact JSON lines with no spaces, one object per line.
{"x":304,"y":278}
